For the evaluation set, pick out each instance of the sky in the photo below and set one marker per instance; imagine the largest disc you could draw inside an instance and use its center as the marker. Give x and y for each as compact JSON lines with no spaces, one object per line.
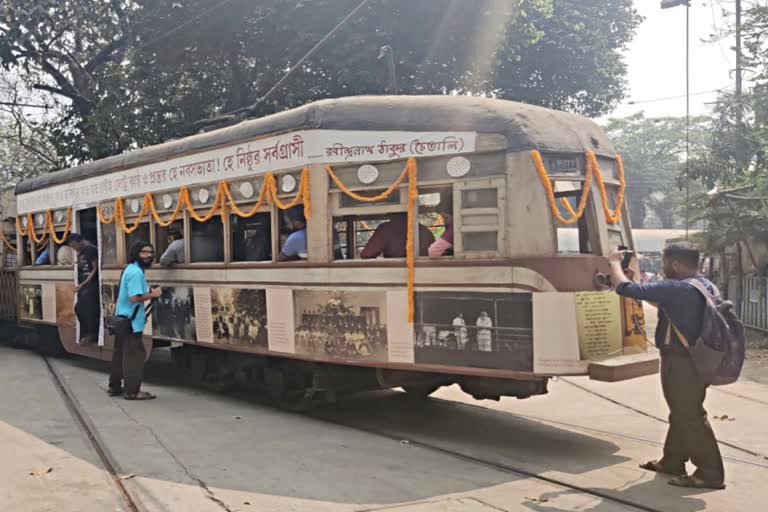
{"x":656,"y":59}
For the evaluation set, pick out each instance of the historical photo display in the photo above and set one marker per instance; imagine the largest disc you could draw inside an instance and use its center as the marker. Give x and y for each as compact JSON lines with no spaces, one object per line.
{"x":108,"y":300}
{"x":341,"y":325}
{"x":32,"y":301}
{"x":173,"y":314}
{"x":239,"y":316}
{"x":65,"y":306}
{"x":485,"y":330}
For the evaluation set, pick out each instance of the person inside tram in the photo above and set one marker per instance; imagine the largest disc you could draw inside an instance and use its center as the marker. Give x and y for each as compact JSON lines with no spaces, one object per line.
{"x":443,"y":246}
{"x":390,"y":238}
{"x":65,"y":256}
{"x":175,"y":251}
{"x":44,"y":258}
{"x":295,"y":245}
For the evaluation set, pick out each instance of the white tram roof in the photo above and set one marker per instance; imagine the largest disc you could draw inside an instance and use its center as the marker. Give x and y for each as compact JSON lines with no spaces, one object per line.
{"x":525,"y":127}
{"x":646,"y":240}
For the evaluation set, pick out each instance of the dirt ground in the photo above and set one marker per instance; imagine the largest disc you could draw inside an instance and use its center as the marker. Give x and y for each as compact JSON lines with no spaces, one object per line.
{"x":756,"y":365}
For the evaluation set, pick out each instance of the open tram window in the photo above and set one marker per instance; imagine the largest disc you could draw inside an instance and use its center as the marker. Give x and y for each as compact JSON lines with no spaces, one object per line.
{"x":572,"y":238}
{"x":252,"y":237}
{"x":87,"y":225}
{"x":292,"y":229}
{"x":140,"y":235}
{"x":206,"y":240}
{"x":436,"y":213}
{"x":165,"y":236}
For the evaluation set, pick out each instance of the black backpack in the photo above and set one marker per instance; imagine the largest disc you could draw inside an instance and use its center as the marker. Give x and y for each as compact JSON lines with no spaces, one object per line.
{"x":721,"y":347}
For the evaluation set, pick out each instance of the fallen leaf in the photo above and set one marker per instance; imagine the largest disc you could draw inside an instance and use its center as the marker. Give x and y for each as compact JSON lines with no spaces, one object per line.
{"x":246,"y":503}
{"x":724,"y":417}
{"x":236,"y":417}
{"x":405,"y":441}
{"x":127,"y":477}
{"x":39,"y":472}
{"x":540,"y":500}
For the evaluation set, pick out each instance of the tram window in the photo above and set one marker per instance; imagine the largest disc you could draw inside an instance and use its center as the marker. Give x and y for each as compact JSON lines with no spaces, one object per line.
{"x":293,"y":234}
{"x":571,"y":238}
{"x":10,"y":259}
{"x":109,"y":244}
{"x":140,"y":235}
{"x":26,"y":251}
{"x":207,"y":240}
{"x":356,"y":232}
{"x":42,"y":254}
{"x":479,"y":198}
{"x":480,"y":241}
{"x":252,"y":237}
{"x":436,"y":213}
{"x":163,"y":238}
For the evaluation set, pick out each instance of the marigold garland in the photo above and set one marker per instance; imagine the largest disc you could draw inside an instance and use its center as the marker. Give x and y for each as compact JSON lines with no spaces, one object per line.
{"x":8,"y":244}
{"x":222,"y":204}
{"x":593,"y":169}
{"x":411,"y":172}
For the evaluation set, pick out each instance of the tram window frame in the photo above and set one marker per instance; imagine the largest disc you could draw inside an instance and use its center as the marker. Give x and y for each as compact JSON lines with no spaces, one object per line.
{"x":479,"y":218}
{"x":587,"y":227}
{"x":362,"y":212}
{"x":127,"y":237}
{"x":236,"y":219}
{"x":221,"y":255}
{"x":447,"y":195}
{"x":160,"y":242}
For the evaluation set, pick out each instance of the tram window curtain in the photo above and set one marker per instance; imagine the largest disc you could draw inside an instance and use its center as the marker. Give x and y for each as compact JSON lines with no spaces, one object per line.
{"x":479,"y":226}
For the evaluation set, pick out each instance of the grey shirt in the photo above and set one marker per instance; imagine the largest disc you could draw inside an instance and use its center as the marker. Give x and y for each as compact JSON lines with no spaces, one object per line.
{"x":173,"y":254}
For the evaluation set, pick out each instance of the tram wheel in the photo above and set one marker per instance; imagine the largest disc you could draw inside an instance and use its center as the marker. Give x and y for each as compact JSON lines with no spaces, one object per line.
{"x":419,"y":391}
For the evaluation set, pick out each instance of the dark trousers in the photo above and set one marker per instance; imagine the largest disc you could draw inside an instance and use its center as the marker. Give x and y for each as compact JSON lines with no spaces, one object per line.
{"x":690,"y":436}
{"x":88,"y":311}
{"x":127,"y":363}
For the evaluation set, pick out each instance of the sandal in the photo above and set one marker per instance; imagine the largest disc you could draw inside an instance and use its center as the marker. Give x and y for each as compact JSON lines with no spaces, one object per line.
{"x":695,"y":482}
{"x":114,"y":392}
{"x":141,"y":395}
{"x":657,"y":467}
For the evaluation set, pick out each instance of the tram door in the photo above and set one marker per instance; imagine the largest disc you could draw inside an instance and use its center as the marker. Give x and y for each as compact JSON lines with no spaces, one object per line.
{"x":88,"y":303}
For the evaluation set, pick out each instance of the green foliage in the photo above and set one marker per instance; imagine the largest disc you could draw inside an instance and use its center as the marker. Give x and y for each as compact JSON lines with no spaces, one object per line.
{"x":129,"y":73}
{"x":653,"y":150}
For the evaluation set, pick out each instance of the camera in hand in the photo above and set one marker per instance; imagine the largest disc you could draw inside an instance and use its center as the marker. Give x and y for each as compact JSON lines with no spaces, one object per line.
{"x":627,"y":256}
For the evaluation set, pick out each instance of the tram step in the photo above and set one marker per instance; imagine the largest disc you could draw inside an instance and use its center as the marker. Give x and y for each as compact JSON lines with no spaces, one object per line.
{"x":624,"y":367}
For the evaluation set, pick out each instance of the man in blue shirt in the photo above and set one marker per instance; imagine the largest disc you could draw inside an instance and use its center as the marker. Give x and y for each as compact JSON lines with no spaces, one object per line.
{"x":295,"y":246}
{"x":128,"y":354}
{"x":690,"y":436}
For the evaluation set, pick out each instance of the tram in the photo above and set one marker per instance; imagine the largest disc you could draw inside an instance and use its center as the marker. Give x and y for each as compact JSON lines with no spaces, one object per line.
{"x":499,"y":310}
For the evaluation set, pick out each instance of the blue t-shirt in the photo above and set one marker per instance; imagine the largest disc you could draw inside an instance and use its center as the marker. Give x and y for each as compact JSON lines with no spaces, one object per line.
{"x":296,"y":244}
{"x":676,"y":299}
{"x":133,"y":283}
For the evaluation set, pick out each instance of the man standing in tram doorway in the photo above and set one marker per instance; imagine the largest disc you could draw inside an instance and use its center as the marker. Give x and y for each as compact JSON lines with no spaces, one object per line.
{"x":88,"y":306}
{"x":129,"y":355}
{"x":681,"y":309}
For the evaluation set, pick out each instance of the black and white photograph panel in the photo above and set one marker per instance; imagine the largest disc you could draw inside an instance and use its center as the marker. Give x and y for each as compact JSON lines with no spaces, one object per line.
{"x":341,"y":325}
{"x":239,"y":316}
{"x":474,"y":329}
{"x":173,"y":314}
{"x":32,"y":301}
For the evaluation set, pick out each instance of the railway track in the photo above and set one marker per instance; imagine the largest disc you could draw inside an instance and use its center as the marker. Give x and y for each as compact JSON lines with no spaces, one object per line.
{"x":81,"y":418}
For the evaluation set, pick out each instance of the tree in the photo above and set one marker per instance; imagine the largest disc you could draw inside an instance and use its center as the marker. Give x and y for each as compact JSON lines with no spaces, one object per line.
{"x":653,"y":150}
{"x":128,"y":73}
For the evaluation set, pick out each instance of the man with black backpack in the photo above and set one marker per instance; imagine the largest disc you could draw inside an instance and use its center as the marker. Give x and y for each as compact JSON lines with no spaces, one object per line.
{"x":682,"y":300}
{"x":129,"y":355}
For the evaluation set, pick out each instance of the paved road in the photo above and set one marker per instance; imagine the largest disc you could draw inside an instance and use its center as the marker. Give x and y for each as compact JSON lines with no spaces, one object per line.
{"x":193,"y":450}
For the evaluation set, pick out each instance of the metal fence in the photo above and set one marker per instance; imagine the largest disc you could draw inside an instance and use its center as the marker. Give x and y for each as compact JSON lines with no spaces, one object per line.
{"x":754,"y":304}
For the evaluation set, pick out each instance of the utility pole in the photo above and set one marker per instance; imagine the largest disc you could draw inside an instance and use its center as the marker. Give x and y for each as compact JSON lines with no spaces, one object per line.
{"x":687,"y":118}
{"x":738,"y":57}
